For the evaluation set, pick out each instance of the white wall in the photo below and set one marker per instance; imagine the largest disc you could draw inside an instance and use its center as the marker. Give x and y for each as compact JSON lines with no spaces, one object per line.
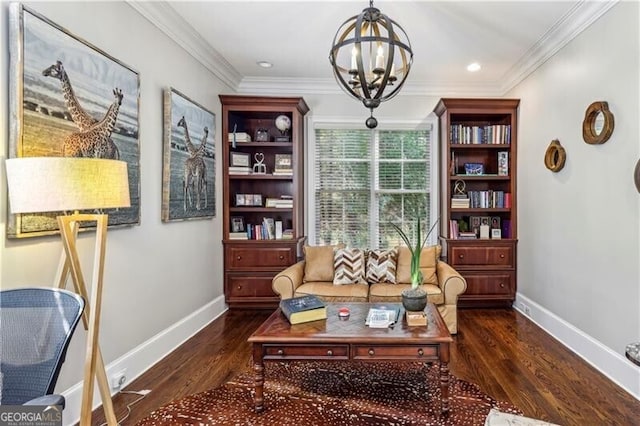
{"x":579,"y":229}
{"x":157,"y":274}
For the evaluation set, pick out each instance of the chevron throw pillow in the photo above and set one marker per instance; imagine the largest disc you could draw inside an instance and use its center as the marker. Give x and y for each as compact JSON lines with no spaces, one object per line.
{"x":381,"y":266}
{"x":348,"y":265}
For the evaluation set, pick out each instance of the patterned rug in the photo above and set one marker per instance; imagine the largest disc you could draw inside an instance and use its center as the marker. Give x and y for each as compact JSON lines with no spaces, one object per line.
{"x":337,"y":393}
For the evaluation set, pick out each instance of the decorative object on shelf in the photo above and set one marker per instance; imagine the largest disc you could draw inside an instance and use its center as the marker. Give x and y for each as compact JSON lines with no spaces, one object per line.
{"x":259,"y":167}
{"x":555,"y":156}
{"x":283,"y":123}
{"x":237,"y":224}
{"x":503,"y":163}
{"x":371,"y":39}
{"x":59,"y":184}
{"x":415,"y":298}
{"x":636,"y":175}
{"x":188,"y":169}
{"x":262,"y":135}
{"x":459,"y":188}
{"x":474,"y":168}
{"x":598,"y":123}
{"x":52,"y":119}
{"x":283,"y":165}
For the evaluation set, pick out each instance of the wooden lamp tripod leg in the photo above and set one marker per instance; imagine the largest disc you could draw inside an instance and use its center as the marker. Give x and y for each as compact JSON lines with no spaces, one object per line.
{"x":70,"y":263}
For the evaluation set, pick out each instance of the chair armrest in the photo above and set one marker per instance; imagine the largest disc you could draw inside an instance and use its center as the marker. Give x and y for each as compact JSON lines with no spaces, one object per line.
{"x":47,"y":400}
{"x":450,"y":282}
{"x":285,"y":283}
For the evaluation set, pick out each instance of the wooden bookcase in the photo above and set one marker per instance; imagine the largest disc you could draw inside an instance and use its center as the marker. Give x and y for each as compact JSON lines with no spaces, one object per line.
{"x":474,"y":133}
{"x":251,"y":263}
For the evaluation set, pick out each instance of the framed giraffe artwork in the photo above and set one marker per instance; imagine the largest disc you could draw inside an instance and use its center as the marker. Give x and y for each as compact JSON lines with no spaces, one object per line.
{"x":188,"y":169}
{"x":69,"y":98}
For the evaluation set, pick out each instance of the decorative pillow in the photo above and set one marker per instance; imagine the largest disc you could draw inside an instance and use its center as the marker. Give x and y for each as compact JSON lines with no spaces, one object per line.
{"x":428,"y":260}
{"x":381,"y":266}
{"x":319,"y":263}
{"x":349,"y":266}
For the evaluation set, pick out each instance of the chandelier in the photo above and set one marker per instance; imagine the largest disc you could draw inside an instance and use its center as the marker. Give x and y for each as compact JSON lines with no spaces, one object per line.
{"x":371,"y":57}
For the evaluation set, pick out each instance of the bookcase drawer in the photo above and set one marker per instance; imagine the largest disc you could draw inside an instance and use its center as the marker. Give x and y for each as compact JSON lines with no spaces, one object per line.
{"x":249,"y":286}
{"x":482,"y":256}
{"x":306,"y":352}
{"x":483,"y":283}
{"x":252,"y":258}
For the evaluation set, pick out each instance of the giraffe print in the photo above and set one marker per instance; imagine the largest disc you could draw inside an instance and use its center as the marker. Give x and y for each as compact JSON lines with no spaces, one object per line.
{"x":194,"y":170}
{"x":91,"y":142}
{"x":84,"y":121}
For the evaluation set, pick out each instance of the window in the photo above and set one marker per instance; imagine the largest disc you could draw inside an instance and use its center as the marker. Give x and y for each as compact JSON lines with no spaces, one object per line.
{"x":363,"y":180}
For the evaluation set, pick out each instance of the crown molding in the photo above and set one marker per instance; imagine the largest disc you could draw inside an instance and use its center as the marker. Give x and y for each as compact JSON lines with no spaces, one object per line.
{"x":576,"y":20}
{"x":164,"y":17}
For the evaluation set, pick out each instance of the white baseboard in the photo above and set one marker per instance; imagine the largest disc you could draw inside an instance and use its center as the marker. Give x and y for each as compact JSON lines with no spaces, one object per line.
{"x":610,"y":363}
{"x":143,"y":357}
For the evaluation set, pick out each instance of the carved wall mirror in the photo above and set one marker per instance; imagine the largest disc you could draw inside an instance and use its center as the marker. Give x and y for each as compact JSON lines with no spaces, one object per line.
{"x":555,"y":156}
{"x":598,"y":123}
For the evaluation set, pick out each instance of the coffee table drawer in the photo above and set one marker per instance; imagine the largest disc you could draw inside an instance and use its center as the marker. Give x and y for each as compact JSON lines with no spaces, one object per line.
{"x":396,"y":352}
{"x":306,"y":352}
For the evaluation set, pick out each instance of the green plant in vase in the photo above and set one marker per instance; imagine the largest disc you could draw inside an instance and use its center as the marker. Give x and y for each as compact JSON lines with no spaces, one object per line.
{"x":415,"y":298}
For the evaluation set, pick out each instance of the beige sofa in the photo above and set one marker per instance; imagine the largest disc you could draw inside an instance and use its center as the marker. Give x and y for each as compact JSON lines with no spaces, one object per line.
{"x":316,"y":275}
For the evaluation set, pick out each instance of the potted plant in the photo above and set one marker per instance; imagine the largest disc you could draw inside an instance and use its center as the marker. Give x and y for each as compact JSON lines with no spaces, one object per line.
{"x":415,"y":298}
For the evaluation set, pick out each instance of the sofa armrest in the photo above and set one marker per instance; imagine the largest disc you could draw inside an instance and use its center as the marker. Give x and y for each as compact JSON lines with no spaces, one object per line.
{"x":286,"y":282}
{"x":451,"y":282}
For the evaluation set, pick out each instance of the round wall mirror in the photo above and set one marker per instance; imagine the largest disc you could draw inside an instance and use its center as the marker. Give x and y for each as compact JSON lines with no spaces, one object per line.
{"x":555,"y":156}
{"x":598,"y":123}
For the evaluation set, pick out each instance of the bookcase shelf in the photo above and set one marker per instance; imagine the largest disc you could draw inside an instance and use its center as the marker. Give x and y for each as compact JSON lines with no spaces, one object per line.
{"x":250,"y":264}
{"x":489,"y":129}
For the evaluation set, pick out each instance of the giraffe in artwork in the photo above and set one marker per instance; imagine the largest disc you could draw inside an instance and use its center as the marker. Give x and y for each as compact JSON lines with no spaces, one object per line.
{"x":80,"y":117}
{"x":194,"y":170}
{"x":91,"y":142}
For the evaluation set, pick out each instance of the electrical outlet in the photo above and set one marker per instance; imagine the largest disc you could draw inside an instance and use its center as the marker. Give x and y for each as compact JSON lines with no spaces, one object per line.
{"x":527,"y":310}
{"x":119,"y":379}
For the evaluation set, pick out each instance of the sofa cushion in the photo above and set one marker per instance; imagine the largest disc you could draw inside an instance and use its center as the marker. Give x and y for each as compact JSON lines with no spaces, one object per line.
{"x":381,"y":266}
{"x":335,"y":293}
{"x":348,"y":266}
{"x":428,"y":260}
{"x":385,"y":292}
{"x":319,"y":263}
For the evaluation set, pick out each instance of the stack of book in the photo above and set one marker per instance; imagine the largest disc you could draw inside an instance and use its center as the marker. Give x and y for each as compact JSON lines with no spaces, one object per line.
{"x":467,"y":235}
{"x":238,"y":236}
{"x":460,"y":202}
{"x":283,"y":165}
{"x":303,"y":309}
{"x":239,"y":137}
{"x":239,"y":170}
{"x":279,"y":203}
{"x":287,"y":234}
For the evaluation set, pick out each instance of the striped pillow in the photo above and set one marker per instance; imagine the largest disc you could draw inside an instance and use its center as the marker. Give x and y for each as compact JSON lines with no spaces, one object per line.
{"x":381,"y":266}
{"x":348,"y":265}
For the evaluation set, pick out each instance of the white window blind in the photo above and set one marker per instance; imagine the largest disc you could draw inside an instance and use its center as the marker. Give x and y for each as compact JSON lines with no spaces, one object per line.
{"x":364,"y":180}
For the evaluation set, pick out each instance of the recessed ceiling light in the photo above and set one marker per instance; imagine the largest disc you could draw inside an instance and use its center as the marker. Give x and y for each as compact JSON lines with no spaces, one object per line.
{"x":265,"y":64}
{"x":473,"y":67}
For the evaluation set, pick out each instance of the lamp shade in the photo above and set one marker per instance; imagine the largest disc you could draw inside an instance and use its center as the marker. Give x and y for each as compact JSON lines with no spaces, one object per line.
{"x":52,"y":184}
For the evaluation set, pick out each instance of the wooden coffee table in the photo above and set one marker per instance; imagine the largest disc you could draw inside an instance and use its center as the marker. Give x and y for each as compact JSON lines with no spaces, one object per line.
{"x":335,"y":339}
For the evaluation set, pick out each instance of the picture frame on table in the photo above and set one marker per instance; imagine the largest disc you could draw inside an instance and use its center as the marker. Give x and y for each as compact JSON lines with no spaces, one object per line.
{"x":239,"y":159}
{"x":68,"y":98}
{"x":188,"y":168}
{"x":496,"y":234}
{"x":237,"y":224}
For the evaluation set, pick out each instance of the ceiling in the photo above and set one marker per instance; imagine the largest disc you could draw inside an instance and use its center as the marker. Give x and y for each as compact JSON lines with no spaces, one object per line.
{"x":508,"y":38}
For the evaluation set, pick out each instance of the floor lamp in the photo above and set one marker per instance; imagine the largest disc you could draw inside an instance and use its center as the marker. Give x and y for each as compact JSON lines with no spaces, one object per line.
{"x":60,"y":184}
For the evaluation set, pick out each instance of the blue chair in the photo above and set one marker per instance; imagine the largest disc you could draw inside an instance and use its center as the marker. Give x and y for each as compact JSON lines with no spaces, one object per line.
{"x":36,"y":325}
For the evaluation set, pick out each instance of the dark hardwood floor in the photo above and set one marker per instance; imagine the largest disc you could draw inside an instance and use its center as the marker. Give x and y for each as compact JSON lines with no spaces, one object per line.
{"x":500,"y":350}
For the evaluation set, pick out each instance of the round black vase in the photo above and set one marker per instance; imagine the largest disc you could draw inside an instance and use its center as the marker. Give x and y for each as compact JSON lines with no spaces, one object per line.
{"x":414,"y":299}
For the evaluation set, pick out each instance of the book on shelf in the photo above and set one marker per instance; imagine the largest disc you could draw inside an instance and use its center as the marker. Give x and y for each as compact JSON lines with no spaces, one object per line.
{"x":460,"y":202}
{"x":380,"y":316}
{"x":303,"y":309}
{"x":270,"y":228}
{"x":279,"y":203}
{"x":238,"y":236}
{"x":239,"y":170}
{"x":239,"y":137}
{"x":278,"y":229}
{"x":288,"y":172}
{"x":466,"y":235}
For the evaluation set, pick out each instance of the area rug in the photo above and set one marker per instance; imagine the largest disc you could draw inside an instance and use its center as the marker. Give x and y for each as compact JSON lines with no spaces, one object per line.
{"x":337,"y":393}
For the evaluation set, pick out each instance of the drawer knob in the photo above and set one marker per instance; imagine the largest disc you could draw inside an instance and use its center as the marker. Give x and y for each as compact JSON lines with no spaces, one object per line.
{"x":239,"y":258}
{"x":502,"y":256}
{"x":330,"y":352}
{"x":280,"y":351}
{"x":461,"y":256}
{"x":372,"y":352}
{"x":281,"y":257}
{"x":420,"y":352}
{"x":239,"y":287}
{"x":501,"y":285}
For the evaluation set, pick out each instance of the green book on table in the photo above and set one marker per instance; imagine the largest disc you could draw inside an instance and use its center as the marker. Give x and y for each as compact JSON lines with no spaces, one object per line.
{"x":303,"y":309}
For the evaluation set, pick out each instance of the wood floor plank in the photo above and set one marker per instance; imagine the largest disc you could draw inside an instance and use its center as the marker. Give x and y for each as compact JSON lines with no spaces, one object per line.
{"x":501,"y":351}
